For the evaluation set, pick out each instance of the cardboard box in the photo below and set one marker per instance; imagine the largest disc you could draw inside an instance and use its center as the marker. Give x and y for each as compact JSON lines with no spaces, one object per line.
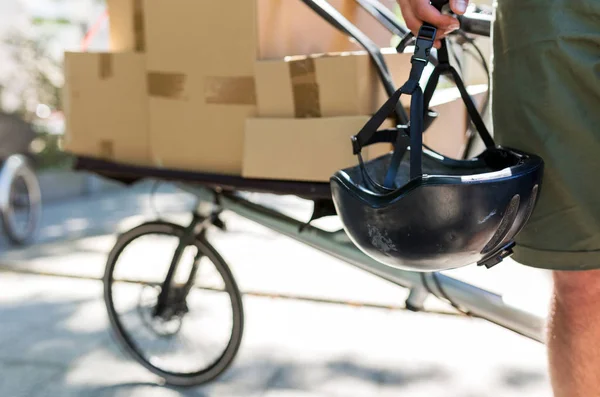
{"x":310,"y":149}
{"x":325,"y":85}
{"x":201,"y":57}
{"x":193,"y":137}
{"x":197,"y":118}
{"x":106,"y":106}
{"x":200,"y":95}
{"x":126,"y":21}
{"x":200,"y":82}
{"x":190,"y":33}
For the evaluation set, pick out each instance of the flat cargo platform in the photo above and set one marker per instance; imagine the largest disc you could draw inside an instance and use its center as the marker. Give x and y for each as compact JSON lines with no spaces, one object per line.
{"x":129,"y":174}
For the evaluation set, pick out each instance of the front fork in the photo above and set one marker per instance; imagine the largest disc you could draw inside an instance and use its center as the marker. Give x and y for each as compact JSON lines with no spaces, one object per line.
{"x":196,"y":228}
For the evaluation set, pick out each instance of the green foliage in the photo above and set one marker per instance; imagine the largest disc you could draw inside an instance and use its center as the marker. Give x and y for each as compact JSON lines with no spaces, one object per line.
{"x":50,"y":155}
{"x":43,"y":21}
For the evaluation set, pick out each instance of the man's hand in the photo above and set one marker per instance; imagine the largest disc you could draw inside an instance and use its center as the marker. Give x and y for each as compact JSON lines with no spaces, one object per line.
{"x":415,"y":12}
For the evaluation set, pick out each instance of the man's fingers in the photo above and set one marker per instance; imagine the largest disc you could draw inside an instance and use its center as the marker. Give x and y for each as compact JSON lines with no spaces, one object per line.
{"x":428,"y":13}
{"x":412,"y":22}
{"x":440,"y":34}
{"x":459,"y":6}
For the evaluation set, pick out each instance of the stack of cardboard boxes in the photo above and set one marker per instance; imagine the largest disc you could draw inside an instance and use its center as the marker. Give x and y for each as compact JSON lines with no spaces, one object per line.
{"x":258,"y":88}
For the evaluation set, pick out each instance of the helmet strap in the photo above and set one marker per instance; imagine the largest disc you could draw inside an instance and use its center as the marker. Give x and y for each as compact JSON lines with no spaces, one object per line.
{"x":414,"y":130}
{"x":419,"y":60}
{"x":445,"y":68}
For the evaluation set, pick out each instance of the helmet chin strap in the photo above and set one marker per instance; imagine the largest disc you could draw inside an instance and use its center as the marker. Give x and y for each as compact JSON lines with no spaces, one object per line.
{"x":419,"y":102}
{"x":444,"y":68}
{"x":420,"y":58}
{"x":365,"y":136}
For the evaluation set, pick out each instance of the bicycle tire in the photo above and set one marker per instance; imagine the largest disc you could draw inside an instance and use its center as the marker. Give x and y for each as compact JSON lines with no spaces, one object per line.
{"x":227,"y":357}
{"x":17,"y":167}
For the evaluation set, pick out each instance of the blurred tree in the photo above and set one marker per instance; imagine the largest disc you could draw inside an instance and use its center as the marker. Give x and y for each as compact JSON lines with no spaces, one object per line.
{"x":35,"y":82}
{"x":32,"y":79}
{"x":37,"y":76}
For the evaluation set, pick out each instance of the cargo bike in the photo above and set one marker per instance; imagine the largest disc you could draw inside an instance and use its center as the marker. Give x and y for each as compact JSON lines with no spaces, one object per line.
{"x":151,"y":310}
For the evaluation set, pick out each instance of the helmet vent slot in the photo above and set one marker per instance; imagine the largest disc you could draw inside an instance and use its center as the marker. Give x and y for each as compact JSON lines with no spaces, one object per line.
{"x":530,"y":207}
{"x":531,"y":203}
{"x":505,"y":224}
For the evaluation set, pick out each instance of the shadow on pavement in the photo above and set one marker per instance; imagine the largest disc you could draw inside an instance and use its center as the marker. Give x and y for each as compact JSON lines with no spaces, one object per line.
{"x":519,"y":378}
{"x":63,"y":348}
{"x":49,"y":250}
{"x":256,"y":376}
{"x":143,"y":389}
{"x":55,"y":341}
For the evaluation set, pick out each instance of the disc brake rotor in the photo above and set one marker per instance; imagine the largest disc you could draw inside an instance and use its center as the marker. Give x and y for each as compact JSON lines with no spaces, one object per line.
{"x":165,"y":324}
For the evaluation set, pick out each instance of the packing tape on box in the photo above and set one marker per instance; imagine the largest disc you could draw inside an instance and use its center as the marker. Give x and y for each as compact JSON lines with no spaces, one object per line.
{"x":138,"y":25}
{"x":105,"y":65}
{"x":166,"y":85}
{"x":107,"y":150}
{"x":217,"y":90}
{"x":305,"y":89}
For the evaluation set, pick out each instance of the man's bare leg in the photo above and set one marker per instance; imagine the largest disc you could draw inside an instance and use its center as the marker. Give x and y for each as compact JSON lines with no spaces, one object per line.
{"x":574,"y":334}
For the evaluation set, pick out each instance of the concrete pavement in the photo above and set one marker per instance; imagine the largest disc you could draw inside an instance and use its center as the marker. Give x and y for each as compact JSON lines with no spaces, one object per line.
{"x":55,"y":340}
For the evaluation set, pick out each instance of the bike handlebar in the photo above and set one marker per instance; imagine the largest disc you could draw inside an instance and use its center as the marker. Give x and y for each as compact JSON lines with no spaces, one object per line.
{"x":476,"y":23}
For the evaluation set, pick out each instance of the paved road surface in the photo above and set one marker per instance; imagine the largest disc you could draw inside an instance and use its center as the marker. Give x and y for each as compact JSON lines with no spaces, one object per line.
{"x":55,"y":341}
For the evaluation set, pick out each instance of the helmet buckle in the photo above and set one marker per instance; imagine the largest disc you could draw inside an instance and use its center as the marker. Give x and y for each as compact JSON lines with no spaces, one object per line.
{"x":424,"y":43}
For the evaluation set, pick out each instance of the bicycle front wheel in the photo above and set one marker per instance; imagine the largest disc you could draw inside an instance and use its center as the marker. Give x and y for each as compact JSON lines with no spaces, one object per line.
{"x":196,"y":336}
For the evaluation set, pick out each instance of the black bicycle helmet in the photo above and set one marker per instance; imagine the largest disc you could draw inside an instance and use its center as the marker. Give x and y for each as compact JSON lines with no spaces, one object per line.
{"x":433,"y":213}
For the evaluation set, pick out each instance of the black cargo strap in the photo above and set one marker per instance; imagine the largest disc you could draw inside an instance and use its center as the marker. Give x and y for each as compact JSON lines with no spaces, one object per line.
{"x":444,"y":67}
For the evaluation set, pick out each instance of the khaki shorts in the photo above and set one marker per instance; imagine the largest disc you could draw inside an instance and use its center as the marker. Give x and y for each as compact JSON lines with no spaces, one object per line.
{"x":546,"y":100}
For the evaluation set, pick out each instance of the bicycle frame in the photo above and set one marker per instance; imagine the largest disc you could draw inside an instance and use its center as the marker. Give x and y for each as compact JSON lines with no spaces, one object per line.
{"x":478,"y":302}
{"x":188,"y":238}
{"x":196,"y":228}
